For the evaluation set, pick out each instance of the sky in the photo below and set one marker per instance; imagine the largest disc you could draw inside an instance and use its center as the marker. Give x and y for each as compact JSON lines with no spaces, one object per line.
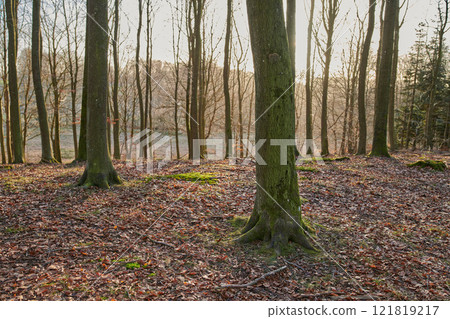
{"x":418,"y":11}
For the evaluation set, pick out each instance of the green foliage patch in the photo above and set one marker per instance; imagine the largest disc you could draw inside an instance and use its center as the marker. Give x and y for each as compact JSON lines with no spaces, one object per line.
{"x":195,"y":177}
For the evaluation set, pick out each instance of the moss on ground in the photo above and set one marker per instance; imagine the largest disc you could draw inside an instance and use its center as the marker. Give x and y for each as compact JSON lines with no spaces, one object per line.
{"x":307,"y":169}
{"x":435,"y":165}
{"x":195,"y":177}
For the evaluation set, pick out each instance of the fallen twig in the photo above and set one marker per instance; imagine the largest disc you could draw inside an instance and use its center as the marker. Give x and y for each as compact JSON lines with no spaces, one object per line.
{"x":254,"y":282}
{"x":293,"y":264}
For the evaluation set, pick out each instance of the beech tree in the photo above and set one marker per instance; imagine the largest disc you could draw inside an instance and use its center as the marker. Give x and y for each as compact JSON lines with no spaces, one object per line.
{"x":362,"y":143}
{"x":379,"y":145}
{"x":226,"y":80}
{"x":99,"y":170}
{"x":308,"y":84}
{"x":36,"y":58}
{"x":276,"y":216}
{"x":16,"y":126}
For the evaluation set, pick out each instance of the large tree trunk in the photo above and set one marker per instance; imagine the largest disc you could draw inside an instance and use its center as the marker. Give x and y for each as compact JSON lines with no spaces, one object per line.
{"x":116,"y":120}
{"x":362,"y":143}
{"x":16,"y":127}
{"x":276,"y":217}
{"x":99,"y":169}
{"x":226,"y":85}
{"x":379,"y":145}
{"x":308,"y":86}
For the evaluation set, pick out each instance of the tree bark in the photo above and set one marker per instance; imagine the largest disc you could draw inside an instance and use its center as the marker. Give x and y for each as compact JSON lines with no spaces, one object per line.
{"x":99,"y":169}
{"x":308,"y":86}
{"x":196,"y":66}
{"x":392,"y":89}
{"x":226,"y":81}
{"x":362,"y":143}
{"x":138,"y":75}
{"x":276,"y":217}
{"x":333,"y":7}
{"x":116,"y":120}
{"x":430,"y":117}
{"x":16,"y":127}
{"x":379,"y":145}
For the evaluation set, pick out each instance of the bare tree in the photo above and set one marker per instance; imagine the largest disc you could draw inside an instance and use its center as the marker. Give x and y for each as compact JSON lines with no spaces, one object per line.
{"x":226,"y":80}
{"x":16,"y":127}
{"x":362,"y":143}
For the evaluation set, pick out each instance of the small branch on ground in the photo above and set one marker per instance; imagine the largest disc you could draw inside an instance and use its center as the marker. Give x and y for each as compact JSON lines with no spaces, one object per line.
{"x":254,"y":282}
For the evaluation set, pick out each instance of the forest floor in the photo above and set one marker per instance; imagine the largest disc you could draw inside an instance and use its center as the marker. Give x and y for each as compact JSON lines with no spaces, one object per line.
{"x":383,"y":229}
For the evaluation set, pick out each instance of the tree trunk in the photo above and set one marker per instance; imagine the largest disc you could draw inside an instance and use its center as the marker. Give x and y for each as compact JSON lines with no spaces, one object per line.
{"x":116,"y":120}
{"x":392,"y":89}
{"x":226,"y":85}
{"x":429,"y":132}
{"x":331,"y":19}
{"x":379,"y":145}
{"x":82,"y":144}
{"x":276,"y":217}
{"x":99,"y":169}
{"x":2,"y":141}
{"x":362,"y":143}
{"x":138,"y":75}
{"x":308,"y":86}
{"x":196,"y":66}
{"x":16,"y":127}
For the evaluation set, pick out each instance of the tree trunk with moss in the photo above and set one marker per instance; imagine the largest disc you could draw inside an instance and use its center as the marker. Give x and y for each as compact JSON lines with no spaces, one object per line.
{"x":16,"y":127}
{"x":379,"y":145}
{"x":226,"y":83}
{"x":99,"y":169}
{"x":276,"y":218}
{"x":46,"y":147}
{"x":391,"y":112}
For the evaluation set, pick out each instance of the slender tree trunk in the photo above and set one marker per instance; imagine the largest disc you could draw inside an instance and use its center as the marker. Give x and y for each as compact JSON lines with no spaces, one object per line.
{"x":332,"y":14}
{"x":2,"y":139}
{"x":116,"y":120}
{"x":392,"y":89}
{"x":226,"y":81}
{"x":16,"y":127}
{"x":46,"y":148}
{"x":308,"y":87}
{"x":430,"y":116}
{"x":196,"y":66}
{"x":82,"y":144}
{"x":99,"y":169}
{"x":362,"y":143}
{"x":276,"y":217}
{"x":379,"y":145}
{"x":138,"y":75}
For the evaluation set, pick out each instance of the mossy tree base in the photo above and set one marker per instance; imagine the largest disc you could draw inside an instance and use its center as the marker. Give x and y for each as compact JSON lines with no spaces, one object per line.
{"x":103,"y":178}
{"x":276,"y":230}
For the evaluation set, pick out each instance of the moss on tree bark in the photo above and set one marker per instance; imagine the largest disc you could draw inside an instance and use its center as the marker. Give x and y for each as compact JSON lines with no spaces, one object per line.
{"x":99,"y":168}
{"x":276,"y":218}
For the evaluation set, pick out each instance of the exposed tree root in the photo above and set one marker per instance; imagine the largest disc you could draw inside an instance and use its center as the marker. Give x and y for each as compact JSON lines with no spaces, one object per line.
{"x":103,"y":179}
{"x":276,"y":232}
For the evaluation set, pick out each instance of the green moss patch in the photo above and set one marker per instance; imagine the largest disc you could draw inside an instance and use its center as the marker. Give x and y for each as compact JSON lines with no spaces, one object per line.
{"x":5,"y":168}
{"x":436,"y":165}
{"x":195,"y":177}
{"x":337,"y":159}
{"x":307,"y":169}
{"x":132,"y":266}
